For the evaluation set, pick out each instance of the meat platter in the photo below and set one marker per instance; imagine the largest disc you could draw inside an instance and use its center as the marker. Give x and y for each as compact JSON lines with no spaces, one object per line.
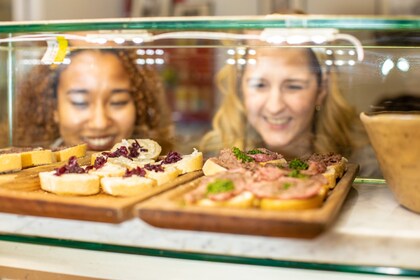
{"x":167,"y":210}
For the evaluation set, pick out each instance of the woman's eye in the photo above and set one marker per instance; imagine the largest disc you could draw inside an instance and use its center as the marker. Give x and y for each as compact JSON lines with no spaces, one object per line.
{"x":120,"y":103}
{"x":80,"y":105}
{"x":294,"y":87}
{"x":257,"y":84}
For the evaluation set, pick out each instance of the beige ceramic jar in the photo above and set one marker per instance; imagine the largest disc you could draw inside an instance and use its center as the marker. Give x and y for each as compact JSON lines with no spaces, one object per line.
{"x":395,"y":137}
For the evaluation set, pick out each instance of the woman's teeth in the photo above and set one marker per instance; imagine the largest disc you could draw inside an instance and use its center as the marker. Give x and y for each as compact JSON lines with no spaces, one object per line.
{"x":277,"y":121}
{"x":98,"y":142}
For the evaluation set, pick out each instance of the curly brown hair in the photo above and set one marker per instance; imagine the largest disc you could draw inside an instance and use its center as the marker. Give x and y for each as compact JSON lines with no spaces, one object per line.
{"x":36,"y":99}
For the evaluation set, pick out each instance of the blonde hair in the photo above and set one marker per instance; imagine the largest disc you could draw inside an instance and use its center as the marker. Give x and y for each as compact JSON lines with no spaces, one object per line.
{"x":333,"y":127}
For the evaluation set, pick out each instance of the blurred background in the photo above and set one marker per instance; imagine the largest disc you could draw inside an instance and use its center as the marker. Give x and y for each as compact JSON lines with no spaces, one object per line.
{"x":391,"y":66}
{"x":18,"y":10}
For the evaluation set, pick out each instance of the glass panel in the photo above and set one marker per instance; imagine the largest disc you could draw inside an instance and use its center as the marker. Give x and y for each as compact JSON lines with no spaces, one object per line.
{"x":176,"y":74}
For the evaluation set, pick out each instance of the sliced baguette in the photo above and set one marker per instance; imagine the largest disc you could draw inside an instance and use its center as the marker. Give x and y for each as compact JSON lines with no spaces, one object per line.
{"x":331,"y":175}
{"x":189,"y":163}
{"x":168,"y":175}
{"x":128,"y":163}
{"x":109,"y":170}
{"x":210,"y":167}
{"x":243,"y":200}
{"x":126,"y":186}
{"x":334,"y":172}
{"x":69,"y":184}
{"x":292,"y":204}
{"x":152,"y":149}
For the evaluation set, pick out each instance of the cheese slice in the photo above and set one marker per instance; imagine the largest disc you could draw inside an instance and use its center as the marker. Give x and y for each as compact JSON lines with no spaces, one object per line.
{"x":10,"y":162}
{"x":66,"y":153}
{"x":37,"y":157}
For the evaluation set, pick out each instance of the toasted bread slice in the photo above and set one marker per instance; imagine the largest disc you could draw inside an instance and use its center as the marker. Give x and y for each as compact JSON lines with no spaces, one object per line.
{"x":109,"y":170}
{"x":331,"y":175}
{"x":334,"y":172}
{"x":10,"y":162}
{"x":37,"y":157}
{"x":122,"y":161}
{"x":150,"y":149}
{"x":168,"y":175}
{"x":210,"y":167}
{"x":340,"y":167}
{"x":63,"y":154}
{"x":280,"y":162}
{"x":69,"y":184}
{"x":126,"y":186}
{"x":243,"y":200}
{"x":293,"y":204}
{"x":189,"y":163}
{"x":130,"y":164}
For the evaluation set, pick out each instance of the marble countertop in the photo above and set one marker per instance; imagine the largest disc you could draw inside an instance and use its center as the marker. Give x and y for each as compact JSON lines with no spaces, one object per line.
{"x":371,"y":230}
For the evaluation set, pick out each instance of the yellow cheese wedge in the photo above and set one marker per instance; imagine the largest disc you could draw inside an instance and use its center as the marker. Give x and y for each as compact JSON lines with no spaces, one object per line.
{"x":10,"y":162}
{"x":37,"y":157}
{"x":66,"y":153}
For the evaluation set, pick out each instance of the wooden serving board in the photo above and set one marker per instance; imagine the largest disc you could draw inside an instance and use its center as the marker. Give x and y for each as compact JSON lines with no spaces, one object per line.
{"x":20,"y":193}
{"x":167,"y":211}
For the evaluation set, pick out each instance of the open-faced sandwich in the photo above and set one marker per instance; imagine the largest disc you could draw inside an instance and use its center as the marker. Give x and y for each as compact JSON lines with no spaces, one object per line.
{"x":129,"y":168}
{"x":263,"y":179}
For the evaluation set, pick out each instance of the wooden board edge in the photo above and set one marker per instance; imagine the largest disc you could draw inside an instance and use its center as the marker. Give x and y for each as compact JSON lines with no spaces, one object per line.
{"x":68,"y":208}
{"x":161,"y":208}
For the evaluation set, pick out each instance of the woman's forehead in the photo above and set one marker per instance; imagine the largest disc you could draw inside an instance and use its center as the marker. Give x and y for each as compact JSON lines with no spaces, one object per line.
{"x":285,"y":54}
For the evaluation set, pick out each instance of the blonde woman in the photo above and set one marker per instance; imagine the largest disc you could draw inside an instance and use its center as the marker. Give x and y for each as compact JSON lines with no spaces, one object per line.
{"x":288,"y":101}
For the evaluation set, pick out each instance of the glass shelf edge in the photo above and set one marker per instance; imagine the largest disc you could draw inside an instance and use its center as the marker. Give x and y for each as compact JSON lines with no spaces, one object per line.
{"x":362,"y":269}
{"x":209,"y":23}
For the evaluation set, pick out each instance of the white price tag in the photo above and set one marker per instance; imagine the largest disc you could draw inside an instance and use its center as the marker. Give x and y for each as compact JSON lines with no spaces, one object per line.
{"x":56,"y":51}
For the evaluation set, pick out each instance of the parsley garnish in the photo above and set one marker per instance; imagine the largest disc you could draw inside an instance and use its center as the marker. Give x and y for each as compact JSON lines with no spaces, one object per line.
{"x":298,"y":164}
{"x":219,"y":186}
{"x":254,"y":152}
{"x":295,"y":173}
{"x":241,"y":155}
{"x":286,"y":185}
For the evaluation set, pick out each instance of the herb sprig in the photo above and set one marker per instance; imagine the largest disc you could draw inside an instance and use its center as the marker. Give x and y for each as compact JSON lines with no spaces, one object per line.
{"x":298,"y":164}
{"x":242,"y":156}
{"x":219,"y":186}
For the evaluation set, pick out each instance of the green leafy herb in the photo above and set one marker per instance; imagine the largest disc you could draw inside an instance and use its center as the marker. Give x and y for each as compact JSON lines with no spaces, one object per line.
{"x":219,"y":186}
{"x":295,"y":173}
{"x":298,"y":164}
{"x":287,"y":185}
{"x":241,"y":155}
{"x":254,"y":152}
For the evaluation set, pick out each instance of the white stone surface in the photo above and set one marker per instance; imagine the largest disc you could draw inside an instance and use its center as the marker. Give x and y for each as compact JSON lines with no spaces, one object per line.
{"x":371,"y":230}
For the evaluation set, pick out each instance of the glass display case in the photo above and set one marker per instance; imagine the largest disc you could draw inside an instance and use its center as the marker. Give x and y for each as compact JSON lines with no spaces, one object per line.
{"x":374,"y":61}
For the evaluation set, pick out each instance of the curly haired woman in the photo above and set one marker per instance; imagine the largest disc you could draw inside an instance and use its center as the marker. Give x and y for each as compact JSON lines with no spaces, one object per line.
{"x":100,"y":98}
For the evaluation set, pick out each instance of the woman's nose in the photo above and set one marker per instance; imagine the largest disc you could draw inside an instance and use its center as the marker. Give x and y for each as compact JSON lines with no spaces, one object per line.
{"x":274,"y":102}
{"x":99,"y":118}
